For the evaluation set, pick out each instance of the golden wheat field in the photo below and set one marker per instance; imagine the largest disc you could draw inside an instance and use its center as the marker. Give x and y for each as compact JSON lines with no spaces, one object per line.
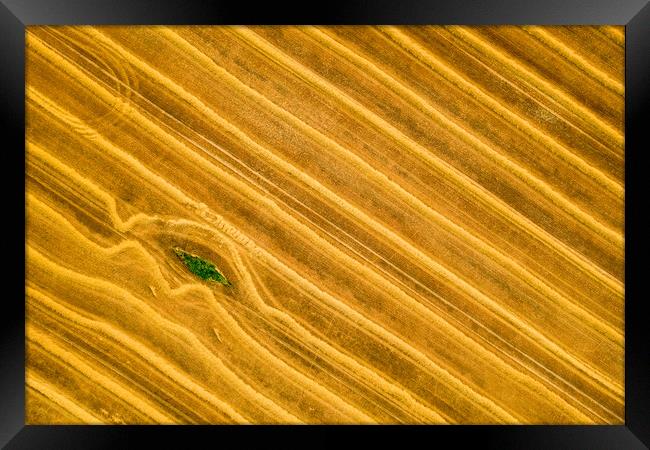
{"x":325,"y":224}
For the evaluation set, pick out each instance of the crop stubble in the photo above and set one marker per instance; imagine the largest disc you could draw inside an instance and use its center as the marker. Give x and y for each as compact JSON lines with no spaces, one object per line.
{"x":415,"y":224}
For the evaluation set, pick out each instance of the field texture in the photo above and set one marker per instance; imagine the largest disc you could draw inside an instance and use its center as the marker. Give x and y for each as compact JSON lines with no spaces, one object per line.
{"x":325,"y":225}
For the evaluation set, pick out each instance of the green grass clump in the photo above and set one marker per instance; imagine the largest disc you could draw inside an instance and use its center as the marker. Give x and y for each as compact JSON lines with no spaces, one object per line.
{"x":201,"y":268}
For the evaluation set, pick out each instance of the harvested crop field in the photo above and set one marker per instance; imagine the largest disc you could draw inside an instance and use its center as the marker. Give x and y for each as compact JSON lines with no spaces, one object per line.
{"x":325,"y":224}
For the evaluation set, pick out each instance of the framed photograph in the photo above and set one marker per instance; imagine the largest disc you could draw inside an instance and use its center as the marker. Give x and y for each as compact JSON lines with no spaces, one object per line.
{"x":357,"y":213}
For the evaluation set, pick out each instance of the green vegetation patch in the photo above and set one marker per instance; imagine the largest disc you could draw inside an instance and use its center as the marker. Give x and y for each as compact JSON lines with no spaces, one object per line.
{"x":201,"y":268}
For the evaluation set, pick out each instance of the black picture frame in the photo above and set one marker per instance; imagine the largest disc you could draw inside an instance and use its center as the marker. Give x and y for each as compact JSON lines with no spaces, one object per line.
{"x":15,"y":15}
